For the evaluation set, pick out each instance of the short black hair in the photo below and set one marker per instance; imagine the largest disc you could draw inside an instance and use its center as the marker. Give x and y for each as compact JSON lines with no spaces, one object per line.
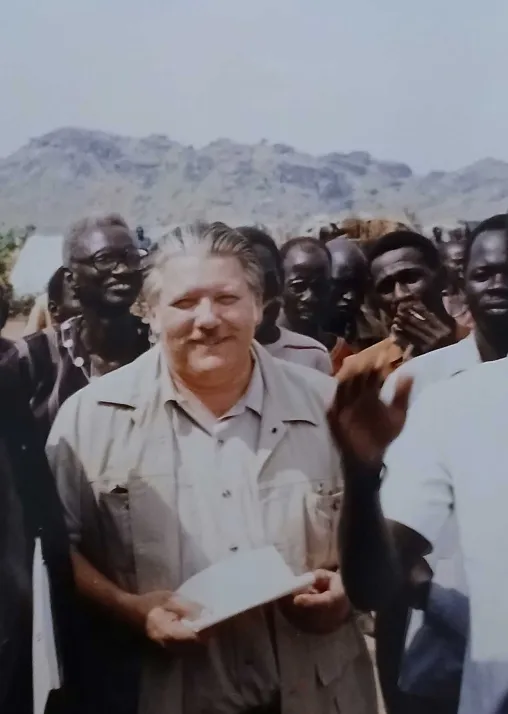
{"x":405,"y":239}
{"x":55,"y":288}
{"x":307,"y":244}
{"x":258,"y":236}
{"x":499,"y":222}
{"x":86,"y":227}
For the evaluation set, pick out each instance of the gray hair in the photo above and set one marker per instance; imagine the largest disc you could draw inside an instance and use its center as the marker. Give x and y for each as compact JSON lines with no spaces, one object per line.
{"x":215,"y":239}
{"x":84,"y":228}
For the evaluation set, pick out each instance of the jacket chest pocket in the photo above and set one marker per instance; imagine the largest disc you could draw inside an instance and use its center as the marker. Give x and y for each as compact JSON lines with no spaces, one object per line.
{"x":114,"y":509}
{"x":300,"y":518}
{"x":322,"y":511}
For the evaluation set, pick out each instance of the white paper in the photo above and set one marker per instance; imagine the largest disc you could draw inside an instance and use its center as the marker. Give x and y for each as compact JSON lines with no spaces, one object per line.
{"x":46,"y":675}
{"x":246,"y":580}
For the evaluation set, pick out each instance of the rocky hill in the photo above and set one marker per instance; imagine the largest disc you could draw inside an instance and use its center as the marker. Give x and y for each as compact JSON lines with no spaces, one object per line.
{"x":155,"y":181}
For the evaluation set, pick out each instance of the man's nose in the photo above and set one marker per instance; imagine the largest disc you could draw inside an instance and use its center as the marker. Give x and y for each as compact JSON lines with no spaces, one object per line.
{"x":307,"y":295}
{"x":346,"y":298}
{"x":205,"y":315}
{"x":400,"y":292}
{"x":500,"y":281}
{"x":120,"y":268}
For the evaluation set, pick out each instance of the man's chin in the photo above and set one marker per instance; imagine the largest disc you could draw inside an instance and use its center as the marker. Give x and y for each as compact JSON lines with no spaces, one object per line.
{"x":117,"y":304}
{"x":209,"y":363}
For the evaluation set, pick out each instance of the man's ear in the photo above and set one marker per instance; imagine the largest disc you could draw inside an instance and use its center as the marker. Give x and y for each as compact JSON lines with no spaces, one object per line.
{"x":70,"y":281}
{"x":154,"y":320}
{"x":258,"y":312}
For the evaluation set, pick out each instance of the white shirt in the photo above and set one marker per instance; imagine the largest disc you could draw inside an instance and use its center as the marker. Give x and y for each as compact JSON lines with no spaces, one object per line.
{"x":453,"y":454}
{"x":434,"y":656}
{"x":219,"y":512}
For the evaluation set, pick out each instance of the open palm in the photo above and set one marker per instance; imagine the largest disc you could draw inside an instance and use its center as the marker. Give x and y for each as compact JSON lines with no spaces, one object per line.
{"x":362,"y":423}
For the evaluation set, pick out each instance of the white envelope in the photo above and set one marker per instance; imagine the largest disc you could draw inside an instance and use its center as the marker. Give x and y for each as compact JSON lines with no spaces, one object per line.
{"x":246,"y":580}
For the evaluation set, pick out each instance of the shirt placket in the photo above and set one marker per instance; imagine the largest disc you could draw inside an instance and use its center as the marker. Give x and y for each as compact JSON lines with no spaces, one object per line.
{"x":228,"y":492}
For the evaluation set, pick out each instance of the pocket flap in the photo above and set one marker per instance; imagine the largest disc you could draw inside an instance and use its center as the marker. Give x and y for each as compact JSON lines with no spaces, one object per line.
{"x":335,"y":651}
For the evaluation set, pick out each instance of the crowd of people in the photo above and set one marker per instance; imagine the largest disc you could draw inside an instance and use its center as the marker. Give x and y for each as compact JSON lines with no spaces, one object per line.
{"x":216,"y":393}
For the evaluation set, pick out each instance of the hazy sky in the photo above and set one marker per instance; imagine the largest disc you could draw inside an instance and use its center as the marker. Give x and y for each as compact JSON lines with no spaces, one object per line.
{"x":422,"y":81}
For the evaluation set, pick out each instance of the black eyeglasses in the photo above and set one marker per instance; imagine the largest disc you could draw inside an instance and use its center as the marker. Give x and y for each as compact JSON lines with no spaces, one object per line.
{"x":106,"y":260}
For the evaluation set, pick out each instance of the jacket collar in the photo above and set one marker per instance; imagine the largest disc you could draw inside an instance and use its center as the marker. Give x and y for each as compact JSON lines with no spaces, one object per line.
{"x":134,"y":385}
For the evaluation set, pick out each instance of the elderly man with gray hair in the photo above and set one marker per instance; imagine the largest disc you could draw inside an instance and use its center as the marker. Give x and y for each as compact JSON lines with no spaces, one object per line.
{"x":204,"y":447}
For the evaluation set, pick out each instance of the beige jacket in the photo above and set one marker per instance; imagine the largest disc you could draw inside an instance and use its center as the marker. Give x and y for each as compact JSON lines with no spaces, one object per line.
{"x":111,"y":449}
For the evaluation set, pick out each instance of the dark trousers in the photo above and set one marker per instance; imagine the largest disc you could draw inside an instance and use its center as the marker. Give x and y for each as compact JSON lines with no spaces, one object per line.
{"x":410,"y":704}
{"x":272,"y":708}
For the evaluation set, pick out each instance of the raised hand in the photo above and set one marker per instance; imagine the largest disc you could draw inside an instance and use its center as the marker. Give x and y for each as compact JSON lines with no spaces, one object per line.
{"x":416,"y":325}
{"x":363,"y":425}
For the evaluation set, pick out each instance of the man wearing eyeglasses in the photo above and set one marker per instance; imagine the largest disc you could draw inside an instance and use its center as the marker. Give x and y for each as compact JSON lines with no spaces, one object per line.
{"x":103,"y":269}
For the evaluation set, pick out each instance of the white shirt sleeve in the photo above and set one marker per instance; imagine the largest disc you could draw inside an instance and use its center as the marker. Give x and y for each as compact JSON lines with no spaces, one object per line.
{"x":417,"y":489}
{"x":323,"y":362}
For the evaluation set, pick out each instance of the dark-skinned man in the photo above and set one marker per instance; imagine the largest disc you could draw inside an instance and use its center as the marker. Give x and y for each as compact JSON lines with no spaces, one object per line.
{"x":279,"y":341}
{"x":102,"y":267}
{"x":452,"y":256}
{"x":432,"y":666}
{"x":448,"y":459}
{"x":306,"y":297}
{"x":407,"y":282}
{"x":349,"y":284}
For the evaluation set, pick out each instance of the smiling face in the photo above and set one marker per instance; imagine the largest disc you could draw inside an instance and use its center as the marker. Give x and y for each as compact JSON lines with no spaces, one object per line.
{"x":106,"y":271}
{"x":307,"y":288}
{"x":207,"y":315}
{"x":486,"y":280}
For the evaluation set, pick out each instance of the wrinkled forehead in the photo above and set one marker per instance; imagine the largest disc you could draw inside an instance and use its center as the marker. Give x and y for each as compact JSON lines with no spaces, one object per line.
{"x":111,"y":238}
{"x":489,"y":247}
{"x":184,"y":274}
{"x":304,"y":262}
{"x":347,"y":264}
{"x":393,"y":262}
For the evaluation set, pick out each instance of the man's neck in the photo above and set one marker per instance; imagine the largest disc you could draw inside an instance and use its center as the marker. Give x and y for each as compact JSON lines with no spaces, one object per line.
{"x":268,"y":334}
{"x":345,"y":328}
{"x":107,"y":335}
{"x":220,"y":393}
{"x":492,"y":342}
{"x":307,"y":328}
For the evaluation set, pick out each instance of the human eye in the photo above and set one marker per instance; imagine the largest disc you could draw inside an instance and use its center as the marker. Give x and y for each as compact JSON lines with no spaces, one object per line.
{"x":480,"y":275}
{"x":103,"y":259}
{"x":227,"y":299}
{"x":385,"y":287}
{"x":185,"y":303}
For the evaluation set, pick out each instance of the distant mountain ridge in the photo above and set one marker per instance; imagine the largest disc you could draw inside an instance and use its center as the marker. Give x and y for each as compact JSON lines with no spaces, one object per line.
{"x":157,"y":182}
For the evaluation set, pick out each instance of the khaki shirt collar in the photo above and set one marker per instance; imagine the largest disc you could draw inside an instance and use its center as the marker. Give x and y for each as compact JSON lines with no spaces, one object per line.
{"x":252,"y":399}
{"x":136,"y":384}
